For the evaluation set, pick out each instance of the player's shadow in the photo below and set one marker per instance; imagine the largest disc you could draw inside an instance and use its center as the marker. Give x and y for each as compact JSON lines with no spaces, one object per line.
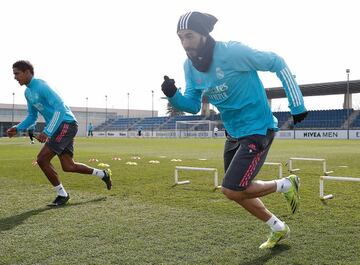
{"x":9,"y":223}
{"x":267,"y":256}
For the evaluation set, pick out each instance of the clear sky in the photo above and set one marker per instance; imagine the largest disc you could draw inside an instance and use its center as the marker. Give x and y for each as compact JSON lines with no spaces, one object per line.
{"x":93,"y":48}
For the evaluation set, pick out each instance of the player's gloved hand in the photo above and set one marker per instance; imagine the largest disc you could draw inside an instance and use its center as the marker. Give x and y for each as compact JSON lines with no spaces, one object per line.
{"x":168,"y":87}
{"x":299,"y":117}
{"x":11,"y":132}
{"x":42,"y":137}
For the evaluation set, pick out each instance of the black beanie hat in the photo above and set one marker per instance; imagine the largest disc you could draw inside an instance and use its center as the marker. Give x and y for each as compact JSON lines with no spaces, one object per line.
{"x":199,"y":22}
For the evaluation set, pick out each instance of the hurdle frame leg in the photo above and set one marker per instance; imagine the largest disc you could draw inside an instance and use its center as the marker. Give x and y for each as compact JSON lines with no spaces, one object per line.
{"x":279,"y":165}
{"x":322,"y":184}
{"x":326,"y":173}
{"x":214,"y":170}
{"x":216,"y":180}
{"x":290,"y":166}
{"x":177,"y":182}
{"x":323,"y":160}
{"x":321,"y":190}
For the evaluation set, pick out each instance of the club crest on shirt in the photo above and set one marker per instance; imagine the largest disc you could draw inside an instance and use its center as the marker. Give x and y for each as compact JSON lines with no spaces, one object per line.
{"x":39,"y":106}
{"x":33,"y":99}
{"x":219,"y":73}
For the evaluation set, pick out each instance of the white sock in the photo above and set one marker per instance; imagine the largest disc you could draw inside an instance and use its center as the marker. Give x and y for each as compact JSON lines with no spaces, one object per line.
{"x":98,"y":172}
{"x":60,"y":190}
{"x":282,"y":185}
{"x":275,"y":224}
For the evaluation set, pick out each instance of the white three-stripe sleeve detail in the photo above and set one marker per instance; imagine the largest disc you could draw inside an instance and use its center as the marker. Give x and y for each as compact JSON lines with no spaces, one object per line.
{"x":294,"y":86}
{"x":286,"y":81}
{"x":53,"y":121}
{"x":291,"y":87}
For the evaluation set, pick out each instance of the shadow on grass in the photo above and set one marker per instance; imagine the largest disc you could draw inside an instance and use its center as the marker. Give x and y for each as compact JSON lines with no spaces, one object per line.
{"x":9,"y":223}
{"x":267,"y":256}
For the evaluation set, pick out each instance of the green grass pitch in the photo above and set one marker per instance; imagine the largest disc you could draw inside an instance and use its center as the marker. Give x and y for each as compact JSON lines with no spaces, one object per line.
{"x":145,"y":220}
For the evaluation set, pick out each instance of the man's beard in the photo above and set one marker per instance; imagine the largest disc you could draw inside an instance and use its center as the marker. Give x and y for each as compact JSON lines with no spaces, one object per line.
{"x":202,"y":57}
{"x":195,"y":52}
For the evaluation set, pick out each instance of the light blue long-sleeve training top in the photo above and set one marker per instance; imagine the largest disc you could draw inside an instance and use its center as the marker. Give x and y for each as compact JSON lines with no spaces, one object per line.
{"x":41,"y":98}
{"x":31,"y":127}
{"x":232,"y":85}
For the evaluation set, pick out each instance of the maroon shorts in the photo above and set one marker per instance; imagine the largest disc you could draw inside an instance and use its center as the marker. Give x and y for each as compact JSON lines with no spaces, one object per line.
{"x":62,"y":141}
{"x":243,"y":158}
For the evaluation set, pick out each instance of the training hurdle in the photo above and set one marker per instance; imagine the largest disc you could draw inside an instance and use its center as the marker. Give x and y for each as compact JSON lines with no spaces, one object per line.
{"x":292,"y":170}
{"x":322,"y":180}
{"x":279,"y":165}
{"x":214,"y":170}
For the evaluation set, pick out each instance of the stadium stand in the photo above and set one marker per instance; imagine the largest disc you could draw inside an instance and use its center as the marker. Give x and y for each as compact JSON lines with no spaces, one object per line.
{"x":283,"y":117}
{"x":118,"y":124}
{"x":324,"y":119}
{"x":171,"y":124}
{"x":150,"y":123}
{"x":316,"y":119}
{"x":355,"y":124}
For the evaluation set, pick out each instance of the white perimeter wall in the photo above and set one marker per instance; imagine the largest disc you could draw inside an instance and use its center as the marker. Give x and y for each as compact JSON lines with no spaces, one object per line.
{"x":298,"y":134}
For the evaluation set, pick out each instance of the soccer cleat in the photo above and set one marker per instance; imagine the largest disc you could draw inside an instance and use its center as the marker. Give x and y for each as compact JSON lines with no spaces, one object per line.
{"x":275,"y":237}
{"x":292,"y":195}
{"x":107,"y":178}
{"x":60,"y":200}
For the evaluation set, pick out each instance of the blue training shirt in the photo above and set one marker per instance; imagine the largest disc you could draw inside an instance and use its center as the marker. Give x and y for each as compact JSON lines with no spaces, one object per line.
{"x":232,"y":85}
{"x":41,"y":98}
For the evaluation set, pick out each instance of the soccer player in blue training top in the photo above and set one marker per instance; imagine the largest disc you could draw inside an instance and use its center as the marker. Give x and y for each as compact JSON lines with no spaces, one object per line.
{"x":59,"y":132}
{"x":226,"y":73}
{"x":30,"y":131}
{"x":90,"y":130}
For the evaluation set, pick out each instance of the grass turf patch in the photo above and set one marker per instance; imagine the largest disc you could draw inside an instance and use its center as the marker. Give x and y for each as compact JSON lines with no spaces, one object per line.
{"x":145,"y":220}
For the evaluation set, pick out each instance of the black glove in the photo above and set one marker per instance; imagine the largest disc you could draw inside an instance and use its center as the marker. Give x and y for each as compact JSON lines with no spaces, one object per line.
{"x":168,"y":87}
{"x":299,"y":117}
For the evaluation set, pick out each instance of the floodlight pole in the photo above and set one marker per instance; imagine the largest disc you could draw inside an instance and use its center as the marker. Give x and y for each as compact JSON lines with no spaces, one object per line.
{"x":106,"y":108}
{"x":128,"y":110}
{"x":13,"y":109}
{"x":87,"y":116}
{"x":106,"y":114}
{"x":152,"y":112}
{"x":348,"y":103}
{"x":294,"y":127}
